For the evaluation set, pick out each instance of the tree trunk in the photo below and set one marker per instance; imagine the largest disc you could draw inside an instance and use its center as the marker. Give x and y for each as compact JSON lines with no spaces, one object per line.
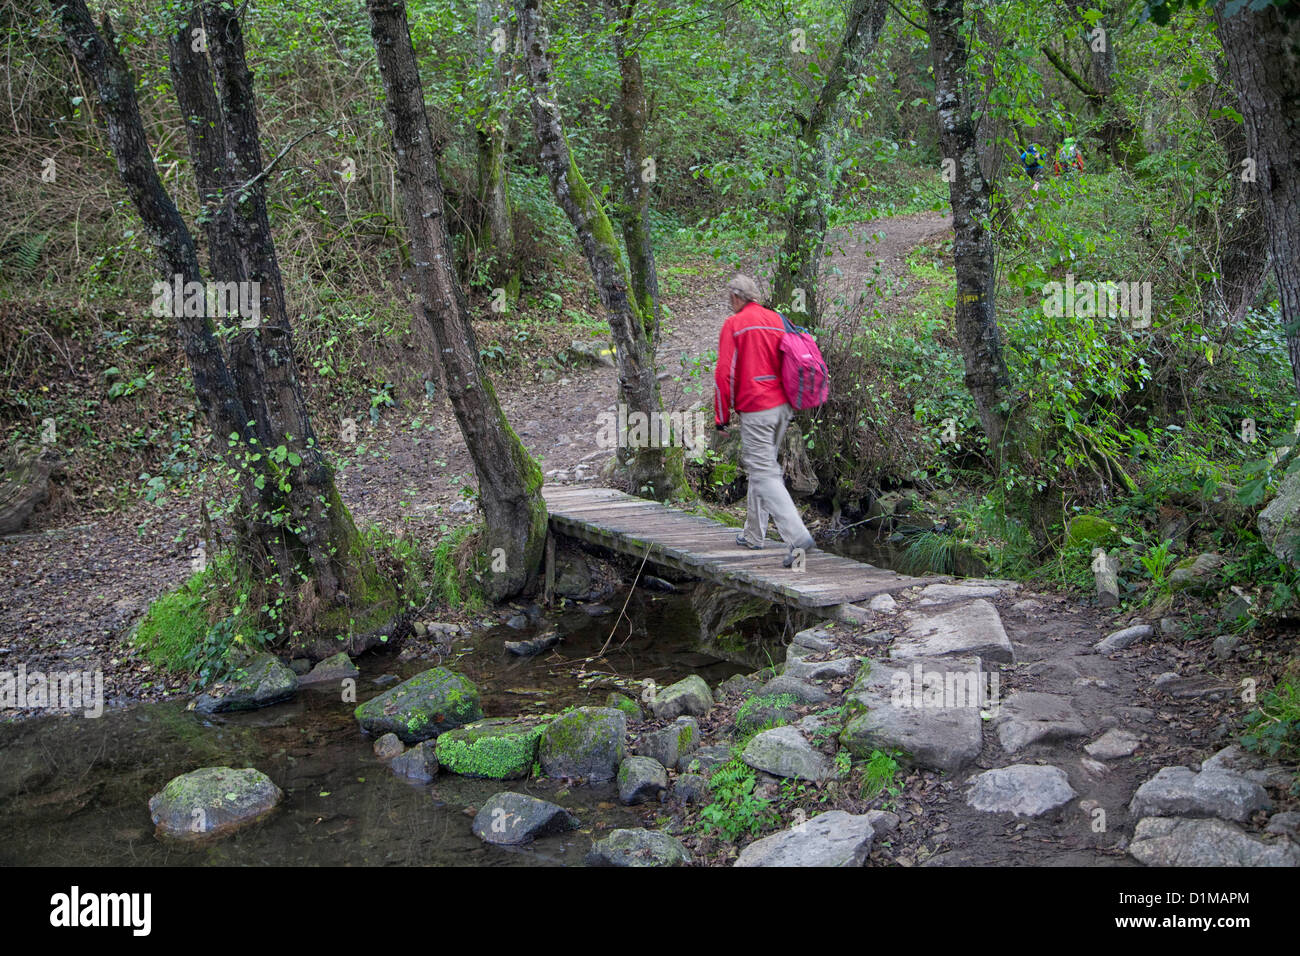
{"x":976,"y":319}
{"x":634,"y":213}
{"x":509,"y":480}
{"x":1263,"y":53}
{"x":495,"y":229}
{"x":798,"y":262}
{"x":654,"y":470}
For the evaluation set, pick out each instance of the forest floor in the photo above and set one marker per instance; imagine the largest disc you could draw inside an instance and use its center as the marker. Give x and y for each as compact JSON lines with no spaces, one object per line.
{"x":70,"y":595}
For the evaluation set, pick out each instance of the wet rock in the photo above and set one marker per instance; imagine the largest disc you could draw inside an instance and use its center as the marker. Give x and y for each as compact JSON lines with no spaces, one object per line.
{"x":641,"y":779}
{"x":670,"y":744}
{"x":1177,"y":841}
{"x":801,"y":691}
{"x":420,"y":763}
{"x":638,"y":847}
{"x":972,"y":628}
{"x":494,"y":749}
{"x":1121,"y":639}
{"x":1029,"y":718}
{"x":688,"y":696}
{"x":509,"y":819}
{"x":538,"y":644}
{"x":331,"y":671}
{"x":260,"y":682}
{"x":1112,"y":745}
{"x":300,"y":666}
{"x":424,"y":706}
{"x":620,"y":701}
{"x":836,"y":838}
{"x":881,"y":718}
{"x":388,"y":746}
{"x":1023,"y":790}
{"x":691,"y":788}
{"x":517,"y":622}
{"x":784,"y":752}
{"x":658,"y":584}
{"x":1178,"y":791}
{"x":588,"y":742}
{"x":212,"y":802}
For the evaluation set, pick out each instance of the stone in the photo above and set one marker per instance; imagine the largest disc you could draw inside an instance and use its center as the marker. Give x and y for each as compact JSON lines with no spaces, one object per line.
{"x":260,"y":682}
{"x":638,"y":847}
{"x":706,"y":759}
{"x":211,"y":803}
{"x":972,"y":628}
{"x":1169,"y":627}
{"x":1193,"y":687}
{"x":883,"y":822}
{"x":800,"y":690}
{"x":1251,"y":766}
{"x":816,"y":639}
{"x":620,"y":701}
{"x":494,"y":749}
{"x":801,"y":669}
{"x":509,"y":819}
{"x":641,"y":779}
{"x":1022,"y":790}
{"x":670,"y":744}
{"x":1121,"y":639}
{"x":1112,"y":745}
{"x":419,"y":763}
{"x":1177,"y":841}
{"x":1279,"y":521}
{"x":597,"y":353}
{"x":1285,"y":824}
{"x":691,"y":788}
{"x":764,"y":712}
{"x":1090,"y":531}
{"x":1238,"y":607}
{"x":947,"y":593}
{"x":881,"y":717}
{"x":1030,"y":717}
{"x":1105,"y":570}
{"x":587,"y":742}
{"x":835,"y":838}
{"x":332,"y":670}
{"x":300,"y":666}
{"x":736,"y":685}
{"x":536,"y":645}
{"x":1179,"y":791}
{"x":884,"y":603}
{"x":784,"y":752}
{"x":688,"y":696}
{"x":1198,"y":572}
{"x":1225,"y":645}
{"x":388,"y":746}
{"x":851,"y":614}
{"x":874,"y":638}
{"x":424,"y":706}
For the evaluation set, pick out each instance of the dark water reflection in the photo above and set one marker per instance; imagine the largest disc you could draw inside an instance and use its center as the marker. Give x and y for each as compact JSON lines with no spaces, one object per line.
{"x":75,"y":791}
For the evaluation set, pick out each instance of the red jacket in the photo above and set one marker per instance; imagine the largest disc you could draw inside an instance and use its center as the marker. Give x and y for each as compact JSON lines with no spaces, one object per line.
{"x":748,"y":375}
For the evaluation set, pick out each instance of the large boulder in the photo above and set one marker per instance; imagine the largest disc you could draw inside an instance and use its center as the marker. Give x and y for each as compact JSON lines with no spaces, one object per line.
{"x":641,"y":779}
{"x":836,"y":838}
{"x":587,"y":742}
{"x":1279,"y":522}
{"x":638,"y":847}
{"x":509,"y":819}
{"x":1022,"y":790}
{"x":1177,"y":841}
{"x":495,"y":749}
{"x":688,"y":696}
{"x":428,"y":704}
{"x":260,"y":682}
{"x":784,"y":752}
{"x":1180,"y":791}
{"x":212,"y":802}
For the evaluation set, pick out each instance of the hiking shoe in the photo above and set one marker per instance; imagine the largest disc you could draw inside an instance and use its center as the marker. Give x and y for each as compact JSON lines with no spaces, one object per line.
{"x":744,"y":543}
{"x":788,"y":560}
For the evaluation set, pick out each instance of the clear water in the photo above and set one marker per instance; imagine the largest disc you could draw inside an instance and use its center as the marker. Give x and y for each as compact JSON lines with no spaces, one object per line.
{"x":75,"y":791}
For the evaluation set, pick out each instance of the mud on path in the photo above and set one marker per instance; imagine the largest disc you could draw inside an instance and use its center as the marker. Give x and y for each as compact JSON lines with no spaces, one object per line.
{"x":69,"y":595}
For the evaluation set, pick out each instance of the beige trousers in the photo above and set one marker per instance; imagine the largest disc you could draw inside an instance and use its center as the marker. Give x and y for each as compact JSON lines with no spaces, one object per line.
{"x":760,"y":439}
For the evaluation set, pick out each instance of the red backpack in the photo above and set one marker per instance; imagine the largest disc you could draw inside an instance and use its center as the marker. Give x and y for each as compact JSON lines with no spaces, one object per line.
{"x":803,"y":370}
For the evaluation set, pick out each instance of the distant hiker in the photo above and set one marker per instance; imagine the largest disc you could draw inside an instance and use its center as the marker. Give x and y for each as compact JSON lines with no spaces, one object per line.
{"x":748,"y":376}
{"x":1067,"y":156}
{"x":1032,"y":161}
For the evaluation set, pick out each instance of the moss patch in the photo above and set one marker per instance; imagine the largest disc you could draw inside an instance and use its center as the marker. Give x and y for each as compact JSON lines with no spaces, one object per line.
{"x":498,"y":749}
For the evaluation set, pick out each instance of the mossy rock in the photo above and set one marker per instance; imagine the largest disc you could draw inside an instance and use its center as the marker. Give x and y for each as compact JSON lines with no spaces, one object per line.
{"x":259,"y":682}
{"x":211,"y":803}
{"x":495,"y":749}
{"x":626,"y":704}
{"x":1091,"y":531}
{"x":587,"y":742}
{"x":430,"y":703}
{"x":764,"y":713}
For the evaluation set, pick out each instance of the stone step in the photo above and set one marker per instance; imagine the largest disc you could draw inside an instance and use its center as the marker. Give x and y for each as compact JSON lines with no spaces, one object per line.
{"x":972,"y":628}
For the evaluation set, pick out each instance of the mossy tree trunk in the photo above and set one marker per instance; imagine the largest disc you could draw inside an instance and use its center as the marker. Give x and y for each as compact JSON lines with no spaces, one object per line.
{"x":509,"y":481}
{"x":798,"y":262}
{"x":297,"y":536}
{"x":637,"y":168}
{"x":656,"y":471}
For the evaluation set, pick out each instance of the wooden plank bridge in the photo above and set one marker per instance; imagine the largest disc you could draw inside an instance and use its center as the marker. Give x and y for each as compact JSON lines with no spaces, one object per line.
{"x":829,"y":585}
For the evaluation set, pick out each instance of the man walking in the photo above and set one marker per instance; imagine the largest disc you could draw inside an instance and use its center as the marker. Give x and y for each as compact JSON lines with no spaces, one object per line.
{"x":749,"y":377}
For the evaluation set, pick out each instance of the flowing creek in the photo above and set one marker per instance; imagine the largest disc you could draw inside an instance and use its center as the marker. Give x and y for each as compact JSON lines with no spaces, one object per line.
{"x":75,"y":791}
